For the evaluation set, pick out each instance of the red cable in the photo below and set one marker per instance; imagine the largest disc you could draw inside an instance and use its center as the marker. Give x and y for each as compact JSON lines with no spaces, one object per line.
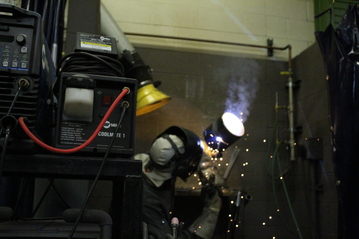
{"x":78,"y":148}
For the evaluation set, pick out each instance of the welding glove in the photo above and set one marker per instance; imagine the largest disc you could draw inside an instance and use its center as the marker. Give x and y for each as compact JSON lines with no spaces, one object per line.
{"x":208,"y":172}
{"x":205,"y":224}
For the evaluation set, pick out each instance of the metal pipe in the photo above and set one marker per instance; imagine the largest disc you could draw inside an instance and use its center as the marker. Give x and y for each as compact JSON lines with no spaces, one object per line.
{"x":98,"y":217}
{"x":208,"y":41}
{"x":291,"y":107}
{"x":345,"y":2}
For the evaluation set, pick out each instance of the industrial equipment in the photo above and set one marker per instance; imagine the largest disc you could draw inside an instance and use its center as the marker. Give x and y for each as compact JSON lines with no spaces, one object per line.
{"x":90,"y":79}
{"x":25,"y":76}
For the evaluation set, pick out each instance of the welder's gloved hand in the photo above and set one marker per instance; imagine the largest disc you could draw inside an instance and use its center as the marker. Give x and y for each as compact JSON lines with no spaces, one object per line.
{"x":211,"y":195}
{"x":208,"y":173}
{"x":206,"y":223}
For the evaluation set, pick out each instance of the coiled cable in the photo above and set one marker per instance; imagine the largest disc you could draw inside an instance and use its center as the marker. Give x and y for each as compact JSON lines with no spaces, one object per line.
{"x":84,"y":62}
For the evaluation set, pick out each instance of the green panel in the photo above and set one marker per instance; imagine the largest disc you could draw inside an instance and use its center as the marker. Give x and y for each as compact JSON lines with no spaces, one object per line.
{"x":337,"y":8}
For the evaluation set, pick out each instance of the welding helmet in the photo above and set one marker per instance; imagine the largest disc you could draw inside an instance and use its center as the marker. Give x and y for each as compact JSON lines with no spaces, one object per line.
{"x":180,"y":150}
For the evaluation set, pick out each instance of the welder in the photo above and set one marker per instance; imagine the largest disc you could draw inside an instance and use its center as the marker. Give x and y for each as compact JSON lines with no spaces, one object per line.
{"x":178,"y":152}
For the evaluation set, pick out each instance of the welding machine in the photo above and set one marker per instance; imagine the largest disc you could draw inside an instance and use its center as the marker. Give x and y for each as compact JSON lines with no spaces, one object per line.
{"x":84,"y":100}
{"x":87,"y":87}
{"x":24,"y":75}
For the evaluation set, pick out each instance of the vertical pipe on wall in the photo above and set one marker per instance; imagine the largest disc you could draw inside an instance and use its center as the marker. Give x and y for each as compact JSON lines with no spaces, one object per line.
{"x":290,"y":106}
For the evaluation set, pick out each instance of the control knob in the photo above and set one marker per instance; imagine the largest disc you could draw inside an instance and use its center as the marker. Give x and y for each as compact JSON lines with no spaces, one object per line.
{"x":21,"y":39}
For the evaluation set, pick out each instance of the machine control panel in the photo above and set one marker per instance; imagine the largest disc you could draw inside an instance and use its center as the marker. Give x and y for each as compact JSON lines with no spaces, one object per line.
{"x":19,"y":39}
{"x":14,"y":52}
{"x":21,"y":49}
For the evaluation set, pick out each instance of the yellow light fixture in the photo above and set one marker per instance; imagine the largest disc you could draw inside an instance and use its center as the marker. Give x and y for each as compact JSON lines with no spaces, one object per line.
{"x":149,"y":98}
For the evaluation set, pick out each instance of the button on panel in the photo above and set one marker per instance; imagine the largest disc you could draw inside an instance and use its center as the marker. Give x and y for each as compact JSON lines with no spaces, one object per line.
{"x":23,"y":49}
{"x":23,"y":65}
{"x":14,"y":56}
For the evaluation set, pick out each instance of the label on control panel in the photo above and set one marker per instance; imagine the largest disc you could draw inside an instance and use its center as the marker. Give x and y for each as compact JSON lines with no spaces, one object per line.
{"x":75,"y":133}
{"x":94,"y":43}
{"x":72,"y":133}
{"x":101,"y":43}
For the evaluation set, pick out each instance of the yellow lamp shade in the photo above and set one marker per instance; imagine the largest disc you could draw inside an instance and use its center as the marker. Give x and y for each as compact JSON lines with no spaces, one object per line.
{"x":149,"y":98}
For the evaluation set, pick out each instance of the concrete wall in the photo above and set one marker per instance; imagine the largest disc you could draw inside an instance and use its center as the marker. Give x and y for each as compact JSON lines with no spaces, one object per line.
{"x":287,"y":22}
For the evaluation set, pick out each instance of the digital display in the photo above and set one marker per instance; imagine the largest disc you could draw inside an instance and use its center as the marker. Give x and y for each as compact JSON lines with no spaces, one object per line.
{"x":6,"y":38}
